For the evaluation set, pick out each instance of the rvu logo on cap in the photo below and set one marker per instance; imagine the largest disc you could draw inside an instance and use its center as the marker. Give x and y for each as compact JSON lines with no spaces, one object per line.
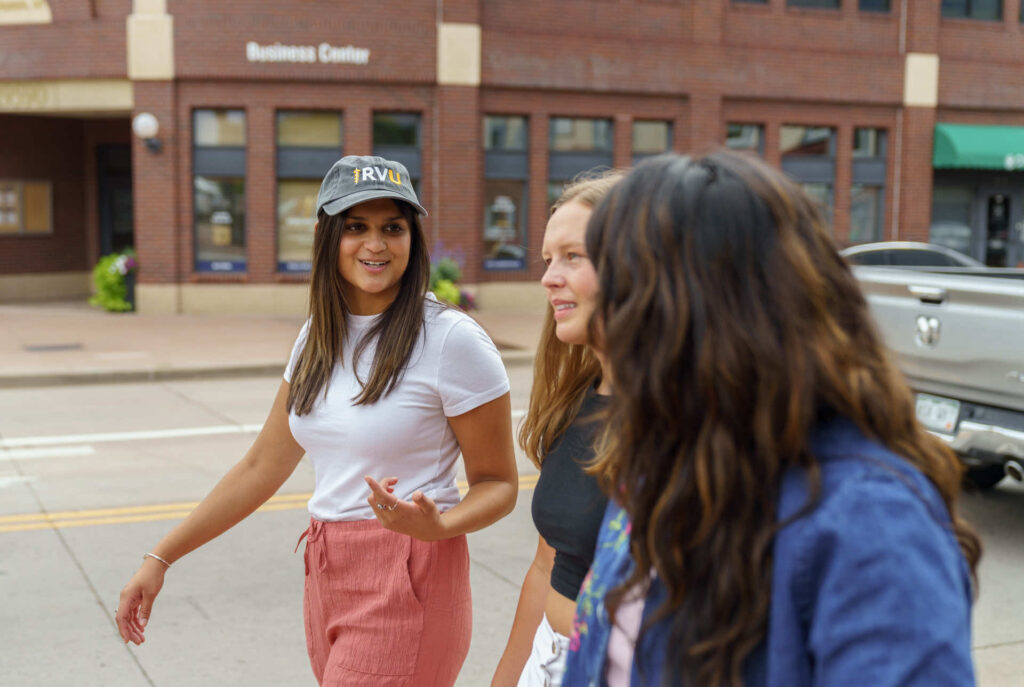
{"x":356,"y":179}
{"x":378,"y":173}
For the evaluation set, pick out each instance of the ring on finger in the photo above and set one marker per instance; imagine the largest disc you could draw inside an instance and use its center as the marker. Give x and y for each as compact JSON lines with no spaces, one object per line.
{"x":380,"y":506}
{"x":393,"y":506}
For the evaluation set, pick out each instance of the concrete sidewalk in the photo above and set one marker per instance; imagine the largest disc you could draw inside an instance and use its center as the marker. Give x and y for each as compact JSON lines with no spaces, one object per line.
{"x":72,"y":343}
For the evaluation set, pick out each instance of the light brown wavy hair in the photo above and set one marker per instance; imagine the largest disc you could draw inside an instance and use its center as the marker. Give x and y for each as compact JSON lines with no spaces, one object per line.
{"x":562,"y":372}
{"x":731,"y":327}
{"x":396,"y":330}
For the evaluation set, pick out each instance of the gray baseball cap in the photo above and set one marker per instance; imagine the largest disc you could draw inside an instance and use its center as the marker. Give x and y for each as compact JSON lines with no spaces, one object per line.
{"x":355,"y":179}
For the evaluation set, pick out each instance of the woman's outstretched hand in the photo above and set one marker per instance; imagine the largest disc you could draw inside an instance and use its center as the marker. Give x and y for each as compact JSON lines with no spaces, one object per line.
{"x":136,"y":602}
{"x":418,"y":517}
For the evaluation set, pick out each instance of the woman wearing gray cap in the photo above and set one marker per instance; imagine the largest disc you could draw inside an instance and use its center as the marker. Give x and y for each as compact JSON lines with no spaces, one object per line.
{"x":384,"y":389}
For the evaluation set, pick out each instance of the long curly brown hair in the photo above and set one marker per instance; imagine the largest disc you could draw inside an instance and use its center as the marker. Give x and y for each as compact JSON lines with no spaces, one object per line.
{"x":731,"y":324}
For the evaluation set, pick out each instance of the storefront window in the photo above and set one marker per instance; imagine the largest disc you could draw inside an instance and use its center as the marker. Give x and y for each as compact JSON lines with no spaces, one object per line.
{"x":504,"y":224}
{"x":25,"y":207}
{"x":219,"y":128}
{"x":822,"y":195}
{"x":576,"y":146}
{"x":308,"y":143}
{"x":808,"y":157}
{"x":505,"y":133}
{"x":951,"y":217}
{"x":220,"y":224}
{"x":874,"y":5}
{"x":506,"y":170}
{"x":396,"y":136}
{"x":747,"y":138}
{"x":580,"y":135}
{"x":867,"y":192}
{"x":396,"y":129}
{"x":650,"y":138}
{"x":296,"y":217}
{"x":991,"y":10}
{"x":825,"y":4}
{"x":867,"y":208}
{"x":309,"y":130}
{"x":219,"y":190}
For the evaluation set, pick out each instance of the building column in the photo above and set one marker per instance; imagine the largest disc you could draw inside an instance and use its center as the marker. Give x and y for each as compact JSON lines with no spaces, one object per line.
{"x":705,"y":131}
{"x":457,"y":218}
{"x":156,"y":196}
{"x":841,"y":197}
{"x":913,"y":155}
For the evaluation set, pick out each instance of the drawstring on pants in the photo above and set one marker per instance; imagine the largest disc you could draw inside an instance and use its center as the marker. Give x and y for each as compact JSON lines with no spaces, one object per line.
{"x":314,"y":539}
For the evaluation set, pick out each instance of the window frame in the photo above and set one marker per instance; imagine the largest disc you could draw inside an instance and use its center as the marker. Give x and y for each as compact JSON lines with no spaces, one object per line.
{"x":18,"y":188}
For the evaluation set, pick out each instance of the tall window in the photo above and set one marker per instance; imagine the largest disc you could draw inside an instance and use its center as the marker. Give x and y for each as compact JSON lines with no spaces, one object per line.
{"x":397,"y":136}
{"x":809,"y":158}
{"x":506,"y":170}
{"x":25,"y":207}
{"x":308,"y":143}
{"x":991,"y":10}
{"x":650,"y":138}
{"x":576,"y":145}
{"x":951,"y":216}
{"x":867,"y":195}
{"x":218,"y":138}
{"x":748,"y":138}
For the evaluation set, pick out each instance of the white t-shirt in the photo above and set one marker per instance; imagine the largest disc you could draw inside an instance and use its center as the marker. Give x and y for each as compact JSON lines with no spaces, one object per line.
{"x":454,"y":367}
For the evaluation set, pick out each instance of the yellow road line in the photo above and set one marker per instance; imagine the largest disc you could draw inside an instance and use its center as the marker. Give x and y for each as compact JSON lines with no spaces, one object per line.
{"x":169,"y":511}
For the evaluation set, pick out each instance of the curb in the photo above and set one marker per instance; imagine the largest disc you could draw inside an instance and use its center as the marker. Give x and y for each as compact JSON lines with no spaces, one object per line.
{"x":63,"y":378}
{"x":511,"y":358}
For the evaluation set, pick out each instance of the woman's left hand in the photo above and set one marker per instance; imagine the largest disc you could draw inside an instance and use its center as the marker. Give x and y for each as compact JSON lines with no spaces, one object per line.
{"x":418,"y":517}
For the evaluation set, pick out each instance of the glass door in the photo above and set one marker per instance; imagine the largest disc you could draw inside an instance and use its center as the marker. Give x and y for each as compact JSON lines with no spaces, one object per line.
{"x":1000,"y":227}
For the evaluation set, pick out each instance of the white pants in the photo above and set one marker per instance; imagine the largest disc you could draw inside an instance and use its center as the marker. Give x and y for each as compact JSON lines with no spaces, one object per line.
{"x":546,"y":664}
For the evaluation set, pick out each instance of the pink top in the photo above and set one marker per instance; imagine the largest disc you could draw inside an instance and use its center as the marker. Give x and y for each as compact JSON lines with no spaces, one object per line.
{"x":622,"y":640}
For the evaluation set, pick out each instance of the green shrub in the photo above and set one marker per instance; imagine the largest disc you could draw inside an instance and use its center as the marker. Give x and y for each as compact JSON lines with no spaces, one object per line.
{"x":446,"y":290}
{"x":108,"y":277}
{"x":445,"y":269}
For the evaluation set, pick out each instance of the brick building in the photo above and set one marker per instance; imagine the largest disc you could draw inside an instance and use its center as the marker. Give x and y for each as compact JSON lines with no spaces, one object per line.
{"x":901,"y":116}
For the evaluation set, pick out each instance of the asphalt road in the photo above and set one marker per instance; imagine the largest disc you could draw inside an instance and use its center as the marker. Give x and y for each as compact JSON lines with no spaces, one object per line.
{"x":114,"y":466}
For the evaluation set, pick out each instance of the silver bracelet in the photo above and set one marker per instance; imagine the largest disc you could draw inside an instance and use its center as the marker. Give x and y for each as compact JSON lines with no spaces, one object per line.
{"x":153,"y":555}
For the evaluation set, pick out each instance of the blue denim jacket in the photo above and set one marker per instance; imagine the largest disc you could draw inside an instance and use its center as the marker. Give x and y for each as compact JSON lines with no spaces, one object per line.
{"x":869,"y":588}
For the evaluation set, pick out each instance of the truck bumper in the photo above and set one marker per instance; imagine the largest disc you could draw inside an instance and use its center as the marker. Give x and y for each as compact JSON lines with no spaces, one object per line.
{"x":979,"y":443}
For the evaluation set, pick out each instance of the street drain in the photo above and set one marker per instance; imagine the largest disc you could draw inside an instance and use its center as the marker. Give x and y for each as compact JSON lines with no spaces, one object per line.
{"x":54,"y":348}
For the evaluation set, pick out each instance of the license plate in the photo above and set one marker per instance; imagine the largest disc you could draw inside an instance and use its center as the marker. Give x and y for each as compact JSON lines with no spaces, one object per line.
{"x":937,"y":414}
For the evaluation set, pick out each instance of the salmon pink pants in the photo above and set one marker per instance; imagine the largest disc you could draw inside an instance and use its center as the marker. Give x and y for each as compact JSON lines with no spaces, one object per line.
{"x":384,"y":609}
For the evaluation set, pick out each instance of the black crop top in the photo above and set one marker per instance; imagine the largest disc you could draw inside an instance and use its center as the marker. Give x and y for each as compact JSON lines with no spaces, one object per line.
{"x":568,"y":506}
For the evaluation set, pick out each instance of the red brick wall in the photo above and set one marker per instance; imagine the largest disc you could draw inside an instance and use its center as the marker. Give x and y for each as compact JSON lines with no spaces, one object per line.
{"x":210,"y":39}
{"x":85,"y":41}
{"x":51,"y":149}
{"x":697,"y":63}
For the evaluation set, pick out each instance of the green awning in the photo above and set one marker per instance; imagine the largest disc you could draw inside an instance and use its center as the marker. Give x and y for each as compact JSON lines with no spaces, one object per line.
{"x":973,"y":146}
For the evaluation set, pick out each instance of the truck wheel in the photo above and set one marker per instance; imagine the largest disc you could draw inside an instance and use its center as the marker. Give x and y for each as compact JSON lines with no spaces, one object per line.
{"x":985,"y":476}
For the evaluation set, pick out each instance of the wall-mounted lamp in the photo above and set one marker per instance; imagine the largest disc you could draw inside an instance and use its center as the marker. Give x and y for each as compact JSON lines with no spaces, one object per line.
{"x":145,"y":126}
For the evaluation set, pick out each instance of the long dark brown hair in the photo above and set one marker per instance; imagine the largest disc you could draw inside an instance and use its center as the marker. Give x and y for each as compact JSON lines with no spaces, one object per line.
{"x":562,"y":372}
{"x":731,"y":327}
{"x":396,"y":330}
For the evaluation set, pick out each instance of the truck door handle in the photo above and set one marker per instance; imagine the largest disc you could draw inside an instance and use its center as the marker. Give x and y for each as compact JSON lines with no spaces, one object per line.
{"x":928,"y":294}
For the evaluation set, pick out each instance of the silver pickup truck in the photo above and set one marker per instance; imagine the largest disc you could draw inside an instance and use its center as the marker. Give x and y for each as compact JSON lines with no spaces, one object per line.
{"x":958,"y":336}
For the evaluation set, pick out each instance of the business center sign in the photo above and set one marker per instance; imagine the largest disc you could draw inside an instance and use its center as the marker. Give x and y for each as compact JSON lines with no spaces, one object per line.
{"x":325,"y":53}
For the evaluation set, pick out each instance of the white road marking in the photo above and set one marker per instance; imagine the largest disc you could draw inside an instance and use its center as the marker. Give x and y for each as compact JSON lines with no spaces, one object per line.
{"x":46,"y":452}
{"x":107,"y":437}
